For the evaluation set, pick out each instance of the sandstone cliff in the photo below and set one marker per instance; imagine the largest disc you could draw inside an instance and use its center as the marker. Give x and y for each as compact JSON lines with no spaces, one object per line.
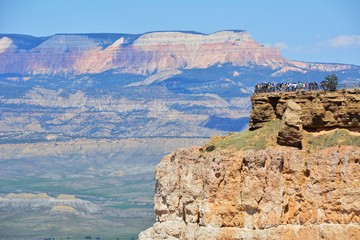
{"x":319,"y":109}
{"x":313,"y":111}
{"x":245,"y":186}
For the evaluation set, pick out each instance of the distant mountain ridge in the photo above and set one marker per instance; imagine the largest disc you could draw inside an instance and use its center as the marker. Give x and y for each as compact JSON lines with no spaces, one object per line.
{"x":143,"y":54}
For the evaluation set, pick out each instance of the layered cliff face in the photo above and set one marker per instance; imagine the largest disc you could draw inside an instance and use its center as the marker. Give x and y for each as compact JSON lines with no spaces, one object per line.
{"x":313,"y":111}
{"x":238,"y":190}
{"x":318,"y":110}
{"x":142,"y":54}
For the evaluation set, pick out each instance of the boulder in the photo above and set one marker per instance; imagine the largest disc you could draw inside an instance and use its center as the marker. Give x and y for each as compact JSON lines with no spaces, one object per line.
{"x":290,"y":133}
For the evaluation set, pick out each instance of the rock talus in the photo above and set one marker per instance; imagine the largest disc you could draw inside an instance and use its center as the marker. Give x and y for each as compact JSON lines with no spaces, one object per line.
{"x":276,"y":193}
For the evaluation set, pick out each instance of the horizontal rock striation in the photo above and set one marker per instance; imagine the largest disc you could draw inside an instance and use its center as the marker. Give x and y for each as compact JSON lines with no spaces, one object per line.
{"x":62,"y":203}
{"x":144,"y":54}
{"x":319,"y":110}
{"x":277,"y":193}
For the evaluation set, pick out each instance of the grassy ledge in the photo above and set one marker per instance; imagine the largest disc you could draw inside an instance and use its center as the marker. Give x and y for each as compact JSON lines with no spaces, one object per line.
{"x":256,"y":139}
{"x":267,"y":136}
{"x":324,"y":139}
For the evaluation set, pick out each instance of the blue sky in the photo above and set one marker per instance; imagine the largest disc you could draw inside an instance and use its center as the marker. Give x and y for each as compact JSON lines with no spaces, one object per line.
{"x":305,"y":30}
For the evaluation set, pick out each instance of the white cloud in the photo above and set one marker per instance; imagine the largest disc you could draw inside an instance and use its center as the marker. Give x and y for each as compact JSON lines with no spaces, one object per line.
{"x":344,"y":41}
{"x":279,"y":45}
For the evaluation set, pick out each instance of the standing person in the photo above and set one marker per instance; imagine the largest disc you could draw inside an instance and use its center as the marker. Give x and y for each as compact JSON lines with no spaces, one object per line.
{"x":299,"y":86}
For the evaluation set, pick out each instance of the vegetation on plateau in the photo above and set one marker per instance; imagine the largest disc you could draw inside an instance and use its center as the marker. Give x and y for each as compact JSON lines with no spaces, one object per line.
{"x":331,"y":81}
{"x":267,"y":137}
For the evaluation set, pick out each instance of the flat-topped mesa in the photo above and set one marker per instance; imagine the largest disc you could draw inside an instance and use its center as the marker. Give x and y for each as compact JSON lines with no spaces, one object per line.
{"x":320,"y":110}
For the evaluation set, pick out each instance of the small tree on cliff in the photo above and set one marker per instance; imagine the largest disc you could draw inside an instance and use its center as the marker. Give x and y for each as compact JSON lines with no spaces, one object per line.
{"x":331,"y":81}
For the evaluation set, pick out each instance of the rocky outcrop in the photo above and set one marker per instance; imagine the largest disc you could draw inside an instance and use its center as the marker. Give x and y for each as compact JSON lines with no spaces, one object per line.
{"x":276,"y":193}
{"x":290,"y":132}
{"x":319,"y":110}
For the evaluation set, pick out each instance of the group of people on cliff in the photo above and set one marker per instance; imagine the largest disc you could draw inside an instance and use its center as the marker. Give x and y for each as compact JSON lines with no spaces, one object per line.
{"x":290,"y":87}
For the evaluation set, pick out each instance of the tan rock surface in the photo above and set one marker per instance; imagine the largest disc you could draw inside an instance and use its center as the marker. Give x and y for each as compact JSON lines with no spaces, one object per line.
{"x":319,"y":110}
{"x":277,"y":193}
{"x":290,"y":133}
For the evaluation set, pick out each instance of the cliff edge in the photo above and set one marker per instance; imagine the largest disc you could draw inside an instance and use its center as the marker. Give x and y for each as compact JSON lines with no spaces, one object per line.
{"x":320,"y":110}
{"x":247,"y":186}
